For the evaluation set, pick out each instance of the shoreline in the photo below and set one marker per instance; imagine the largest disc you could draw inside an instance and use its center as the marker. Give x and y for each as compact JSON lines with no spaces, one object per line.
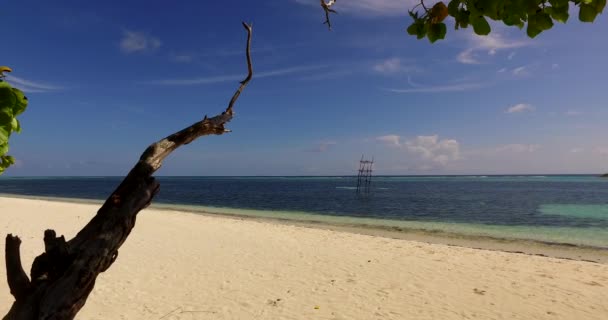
{"x":481,"y":242}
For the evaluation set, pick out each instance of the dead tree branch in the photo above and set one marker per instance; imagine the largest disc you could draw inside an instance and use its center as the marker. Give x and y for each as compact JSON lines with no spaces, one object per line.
{"x":327,"y":8}
{"x":64,"y":275}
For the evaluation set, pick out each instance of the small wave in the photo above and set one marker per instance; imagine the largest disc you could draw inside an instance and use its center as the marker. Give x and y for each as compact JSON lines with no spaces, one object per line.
{"x":347,"y":188}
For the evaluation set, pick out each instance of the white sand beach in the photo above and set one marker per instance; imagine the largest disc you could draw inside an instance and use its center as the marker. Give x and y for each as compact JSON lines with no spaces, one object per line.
{"x":178,"y":265}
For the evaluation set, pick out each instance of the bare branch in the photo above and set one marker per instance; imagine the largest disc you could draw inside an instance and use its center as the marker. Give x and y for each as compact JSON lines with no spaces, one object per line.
{"x":327,"y":8}
{"x":244,"y":83}
{"x":158,"y":151}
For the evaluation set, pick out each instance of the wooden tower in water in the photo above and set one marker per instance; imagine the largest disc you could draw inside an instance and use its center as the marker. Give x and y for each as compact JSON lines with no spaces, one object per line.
{"x":364,"y":178}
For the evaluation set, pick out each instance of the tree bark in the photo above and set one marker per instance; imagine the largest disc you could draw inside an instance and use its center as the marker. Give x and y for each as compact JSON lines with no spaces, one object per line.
{"x":64,"y":275}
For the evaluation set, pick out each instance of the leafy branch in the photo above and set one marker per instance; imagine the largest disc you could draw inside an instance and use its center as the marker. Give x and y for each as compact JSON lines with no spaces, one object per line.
{"x":12,"y":103}
{"x":536,"y":15}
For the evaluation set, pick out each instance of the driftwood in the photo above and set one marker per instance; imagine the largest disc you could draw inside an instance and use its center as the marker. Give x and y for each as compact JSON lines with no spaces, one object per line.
{"x":64,"y":275}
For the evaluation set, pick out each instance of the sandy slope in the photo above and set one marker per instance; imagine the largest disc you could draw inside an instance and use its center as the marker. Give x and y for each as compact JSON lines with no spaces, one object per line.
{"x":184,"y":266}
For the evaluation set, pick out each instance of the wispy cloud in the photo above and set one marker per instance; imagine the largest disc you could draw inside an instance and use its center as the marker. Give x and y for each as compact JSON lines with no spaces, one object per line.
{"x":133,"y":41}
{"x":369,"y":7}
{"x":455,"y":87}
{"x":573,"y":113}
{"x":323,"y":146}
{"x":468,"y":56}
{"x":392,"y":66}
{"x":31,"y":86}
{"x":521,"y":71}
{"x":331,"y":74}
{"x":520,"y":107}
{"x":219,"y":79}
{"x":489,"y":44}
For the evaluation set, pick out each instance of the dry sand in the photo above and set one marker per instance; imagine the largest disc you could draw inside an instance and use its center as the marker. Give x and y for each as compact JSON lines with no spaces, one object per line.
{"x":179,"y":265}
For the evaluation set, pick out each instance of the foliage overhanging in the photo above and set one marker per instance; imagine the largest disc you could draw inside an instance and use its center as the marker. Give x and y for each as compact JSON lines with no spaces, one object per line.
{"x":535,"y":15}
{"x":12,"y":103}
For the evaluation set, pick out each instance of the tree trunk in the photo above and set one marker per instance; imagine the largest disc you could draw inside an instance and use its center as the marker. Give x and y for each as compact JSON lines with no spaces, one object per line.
{"x":64,"y":275}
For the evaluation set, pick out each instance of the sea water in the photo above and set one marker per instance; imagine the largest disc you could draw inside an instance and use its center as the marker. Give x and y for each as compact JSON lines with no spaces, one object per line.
{"x":562,"y":209}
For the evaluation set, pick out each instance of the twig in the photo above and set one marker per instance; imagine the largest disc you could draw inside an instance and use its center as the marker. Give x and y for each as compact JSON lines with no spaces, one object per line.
{"x":327,"y":8}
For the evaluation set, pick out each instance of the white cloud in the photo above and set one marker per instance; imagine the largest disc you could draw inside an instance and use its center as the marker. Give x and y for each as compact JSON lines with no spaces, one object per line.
{"x":502,"y":70}
{"x":136,"y":41}
{"x":520,"y":71}
{"x":323,"y":146}
{"x":573,"y":113}
{"x":490,"y":44}
{"x":392,"y":66}
{"x":520,"y":107}
{"x":576,"y":150}
{"x":31,"y":86}
{"x":219,"y":79}
{"x":432,"y":151}
{"x":511,"y":55}
{"x":369,"y":7}
{"x":431,"y":148}
{"x":391,"y":140}
{"x":555,"y":66}
{"x":467,"y":57}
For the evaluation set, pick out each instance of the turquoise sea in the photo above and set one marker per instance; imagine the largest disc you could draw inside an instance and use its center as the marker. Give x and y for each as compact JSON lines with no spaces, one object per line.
{"x":571,"y":209}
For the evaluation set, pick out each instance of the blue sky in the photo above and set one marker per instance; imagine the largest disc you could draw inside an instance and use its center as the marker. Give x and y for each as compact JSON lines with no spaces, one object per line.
{"x":106,"y":79}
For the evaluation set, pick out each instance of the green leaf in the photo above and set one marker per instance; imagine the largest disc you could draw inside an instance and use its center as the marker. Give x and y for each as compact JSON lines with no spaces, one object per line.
{"x":4,"y":134}
{"x":436,"y":31}
{"x":20,"y":102}
{"x":559,"y":14}
{"x":453,"y":8}
{"x":7,"y":97}
{"x":544,"y":21}
{"x":533,"y":29}
{"x":600,"y":5}
{"x":412,"y":29}
{"x":3,"y":148}
{"x":480,"y":25}
{"x":16,"y":126}
{"x":587,"y":13}
{"x":417,"y":29}
{"x":5,"y":162}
